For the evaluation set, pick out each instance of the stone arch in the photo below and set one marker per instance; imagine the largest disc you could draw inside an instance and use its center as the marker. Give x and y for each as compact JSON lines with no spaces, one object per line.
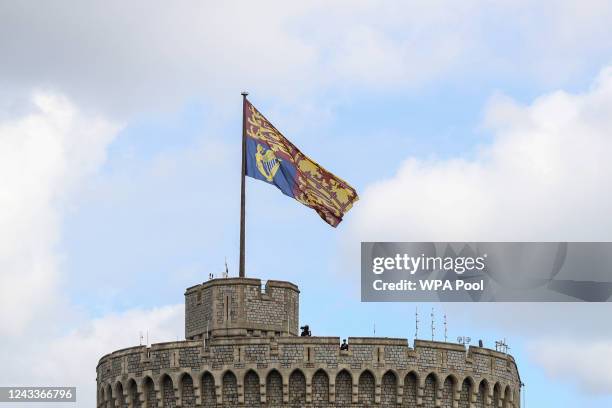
{"x":168,"y":396}
{"x":133,"y":397}
{"x":121,"y":402}
{"x":497,"y":395}
{"x":388,"y":394}
{"x":320,"y":389}
{"x":366,"y":389}
{"x":207,"y":390}
{"x":229,"y":390}
{"x":344,"y":389}
{"x":101,"y":397}
{"x":252,"y":393}
{"x":429,"y":391}
{"x":483,"y":392}
{"x":187,"y":392}
{"x":516,"y":401}
{"x":448,"y":391}
{"x":108,"y":400}
{"x":411,"y":382}
{"x":150,"y":396}
{"x":297,"y":389}
{"x":507,"y":397}
{"x":274,"y":389}
{"x":465,"y":392}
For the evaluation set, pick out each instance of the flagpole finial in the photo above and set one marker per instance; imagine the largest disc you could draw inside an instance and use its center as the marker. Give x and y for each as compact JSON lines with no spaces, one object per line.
{"x":244,"y":93}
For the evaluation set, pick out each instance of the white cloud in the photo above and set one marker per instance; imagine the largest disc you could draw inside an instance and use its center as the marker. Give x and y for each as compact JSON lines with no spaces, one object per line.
{"x":70,"y":359}
{"x":543,"y":177}
{"x":586,"y":362}
{"x":47,"y":153}
{"x":44,"y":156}
{"x":149,"y":55}
{"x":137,"y":56}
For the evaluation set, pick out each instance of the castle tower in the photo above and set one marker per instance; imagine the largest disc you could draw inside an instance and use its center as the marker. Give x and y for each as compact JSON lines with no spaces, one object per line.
{"x":235,"y":307}
{"x":242,"y":349}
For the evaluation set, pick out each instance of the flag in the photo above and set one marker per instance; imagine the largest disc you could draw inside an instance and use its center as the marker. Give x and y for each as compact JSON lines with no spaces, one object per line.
{"x":272,"y":158}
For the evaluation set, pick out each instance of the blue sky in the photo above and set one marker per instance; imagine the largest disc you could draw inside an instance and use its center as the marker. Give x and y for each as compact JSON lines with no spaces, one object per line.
{"x":163,"y":224}
{"x":454,"y":122}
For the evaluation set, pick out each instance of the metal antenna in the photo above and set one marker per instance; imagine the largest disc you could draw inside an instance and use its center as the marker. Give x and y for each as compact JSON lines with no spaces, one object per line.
{"x":141,"y":337}
{"x":226,"y":272}
{"x":375,"y":329}
{"x":416,"y":323}
{"x":502,"y":346}
{"x":445,"y":329}
{"x":433,"y":324}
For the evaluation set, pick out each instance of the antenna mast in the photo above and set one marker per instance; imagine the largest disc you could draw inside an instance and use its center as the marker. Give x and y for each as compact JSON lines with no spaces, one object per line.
{"x":433,"y":324}
{"x":445,"y":329}
{"x":416,"y":323}
{"x":502,"y":346}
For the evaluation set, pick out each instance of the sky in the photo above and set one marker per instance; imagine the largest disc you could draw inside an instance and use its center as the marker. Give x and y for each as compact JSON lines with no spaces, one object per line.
{"x":120,"y":129}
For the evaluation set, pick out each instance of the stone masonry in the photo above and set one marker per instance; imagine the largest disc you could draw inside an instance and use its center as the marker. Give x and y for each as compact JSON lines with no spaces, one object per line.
{"x":243,"y":350}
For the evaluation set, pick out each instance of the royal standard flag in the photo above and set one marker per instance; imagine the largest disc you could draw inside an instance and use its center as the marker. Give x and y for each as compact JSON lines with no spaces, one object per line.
{"x":272,"y":158}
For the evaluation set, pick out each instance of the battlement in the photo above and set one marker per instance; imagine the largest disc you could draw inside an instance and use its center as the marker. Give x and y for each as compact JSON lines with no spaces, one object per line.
{"x":251,"y":370}
{"x":242,"y":349}
{"x":235,"y":307}
{"x":325,"y":350}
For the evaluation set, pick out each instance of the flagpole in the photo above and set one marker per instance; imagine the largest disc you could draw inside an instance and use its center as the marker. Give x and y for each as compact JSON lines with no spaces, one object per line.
{"x":242,"y":184}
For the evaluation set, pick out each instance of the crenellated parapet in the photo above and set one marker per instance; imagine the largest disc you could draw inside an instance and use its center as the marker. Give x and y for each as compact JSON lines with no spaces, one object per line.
{"x":242,"y":307}
{"x":244,"y":358}
{"x":386,"y":372}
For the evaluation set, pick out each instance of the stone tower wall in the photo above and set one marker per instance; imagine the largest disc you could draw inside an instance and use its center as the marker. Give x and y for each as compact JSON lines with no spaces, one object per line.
{"x":241,"y":307}
{"x":243,"y":350}
{"x":307,"y":372}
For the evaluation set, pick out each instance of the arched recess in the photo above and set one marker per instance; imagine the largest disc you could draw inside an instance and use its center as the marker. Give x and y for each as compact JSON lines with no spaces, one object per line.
{"x":187,"y":393}
{"x":465,"y":392}
{"x":119,"y":397}
{"x":410,"y":390}
{"x":168,"y":396}
{"x":252,"y":395}
{"x":344,"y":389}
{"x":149,"y":392}
{"x":448,"y":392}
{"x":508,"y":397}
{"x":483,"y":391}
{"x":133,"y":398}
{"x":516,"y":401}
{"x":110,"y":401}
{"x":297,"y":389}
{"x":229,"y":393}
{"x":497,"y":396}
{"x":101,"y":397}
{"x":209,"y":398}
{"x":274,"y":390}
{"x":320,"y":389}
{"x":388,"y":397}
{"x":366,"y":389}
{"x":429,"y":391}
